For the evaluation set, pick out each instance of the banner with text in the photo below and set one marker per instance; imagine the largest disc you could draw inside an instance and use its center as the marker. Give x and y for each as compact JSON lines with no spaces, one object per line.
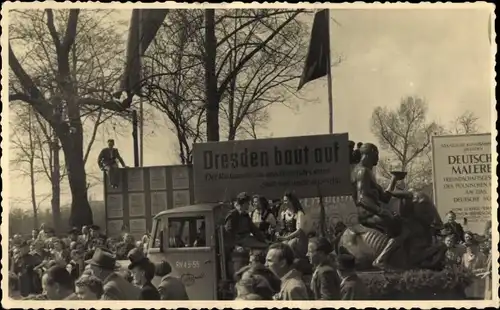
{"x":308,"y":165}
{"x":462,"y":178}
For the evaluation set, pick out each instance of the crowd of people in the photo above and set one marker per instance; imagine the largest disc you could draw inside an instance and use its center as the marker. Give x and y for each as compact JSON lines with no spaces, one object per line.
{"x":43,"y":260}
{"x":293,"y":263}
{"x":471,"y":252}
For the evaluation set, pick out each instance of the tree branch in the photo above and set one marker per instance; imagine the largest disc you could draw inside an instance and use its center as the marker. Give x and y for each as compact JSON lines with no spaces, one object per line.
{"x":249,"y":56}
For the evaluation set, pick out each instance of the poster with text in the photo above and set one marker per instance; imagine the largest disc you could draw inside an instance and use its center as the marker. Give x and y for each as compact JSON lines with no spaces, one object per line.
{"x":181,"y":198}
{"x":135,"y":179}
{"x":157,"y":178}
{"x":137,"y":228}
{"x":180,"y":177}
{"x":115,"y":206}
{"x":158,"y":202}
{"x":462,"y":178}
{"x":114,"y":228}
{"x":312,"y":166}
{"x":137,"y":205}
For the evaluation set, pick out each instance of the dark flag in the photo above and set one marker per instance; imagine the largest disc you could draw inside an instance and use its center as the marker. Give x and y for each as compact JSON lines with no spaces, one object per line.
{"x":143,"y":28}
{"x":318,"y":55}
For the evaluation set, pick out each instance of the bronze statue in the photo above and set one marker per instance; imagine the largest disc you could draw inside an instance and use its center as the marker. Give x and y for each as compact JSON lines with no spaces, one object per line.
{"x":383,"y":232}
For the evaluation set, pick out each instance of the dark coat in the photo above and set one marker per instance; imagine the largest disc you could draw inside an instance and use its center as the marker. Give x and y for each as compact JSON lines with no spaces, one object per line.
{"x":149,"y":292}
{"x":325,"y":283}
{"x":239,"y":226}
{"x":171,"y":288}
{"x":353,"y":288}
{"x":455,"y":229}
{"x":29,"y":281}
{"x":293,"y":287}
{"x":109,"y":156}
{"x":116,"y":287}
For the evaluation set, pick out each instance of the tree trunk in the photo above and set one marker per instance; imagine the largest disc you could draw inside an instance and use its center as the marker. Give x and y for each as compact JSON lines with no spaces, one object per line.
{"x":33,"y":196}
{"x":32,"y":171}
{"x":56,"y":187}
{"x":81,"y":213}
{"x":211,"y":92}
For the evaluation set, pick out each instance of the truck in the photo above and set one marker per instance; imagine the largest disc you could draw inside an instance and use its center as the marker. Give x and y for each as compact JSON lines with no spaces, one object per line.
{"x":191,"y":240}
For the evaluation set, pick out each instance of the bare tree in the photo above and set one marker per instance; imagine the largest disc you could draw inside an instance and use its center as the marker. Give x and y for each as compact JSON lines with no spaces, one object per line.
{"x":405,"y":134}
{"x":234,"y":39}
{"x":64,"y":64}
{"x":26,"y":154}
{"x":464,"y":124}
{"x":257,"y":57}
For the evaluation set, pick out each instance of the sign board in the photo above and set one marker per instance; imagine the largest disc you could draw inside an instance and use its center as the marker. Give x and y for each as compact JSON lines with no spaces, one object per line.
{"x":311,"y":166}
{"x":462,"y":178}
{"x":144,"y":192}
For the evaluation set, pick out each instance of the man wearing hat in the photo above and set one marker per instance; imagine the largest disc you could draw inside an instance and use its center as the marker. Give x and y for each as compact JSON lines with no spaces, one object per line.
{"x":351,"y":286}
{"x":143,"y":272}
{"x":103,"y":265}
{"x":325,"y":282}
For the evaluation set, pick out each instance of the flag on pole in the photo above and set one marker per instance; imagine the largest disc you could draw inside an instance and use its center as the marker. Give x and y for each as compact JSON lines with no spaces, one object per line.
{"x":144,"y":25}
{"x":318,"y":55}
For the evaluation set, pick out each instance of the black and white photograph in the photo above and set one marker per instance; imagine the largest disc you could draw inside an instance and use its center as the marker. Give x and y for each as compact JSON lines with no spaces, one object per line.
{"x":249,"y":155}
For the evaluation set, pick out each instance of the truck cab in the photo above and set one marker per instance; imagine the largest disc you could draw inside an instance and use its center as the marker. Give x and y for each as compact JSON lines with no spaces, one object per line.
{"x":191,"y":239}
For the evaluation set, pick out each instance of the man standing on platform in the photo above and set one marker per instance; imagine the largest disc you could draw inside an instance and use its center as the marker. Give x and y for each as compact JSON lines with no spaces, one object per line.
{"x":107,"y":162}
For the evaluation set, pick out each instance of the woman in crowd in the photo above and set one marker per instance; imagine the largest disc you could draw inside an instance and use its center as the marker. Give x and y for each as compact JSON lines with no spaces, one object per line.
{"x":262,"y":216}
{"x":143,"y":272}
{"x":294,"y":225}
{"x":58,"y":252}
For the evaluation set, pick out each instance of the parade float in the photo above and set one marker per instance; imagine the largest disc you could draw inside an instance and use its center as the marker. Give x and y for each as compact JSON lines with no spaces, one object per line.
{"x":169,"y":199}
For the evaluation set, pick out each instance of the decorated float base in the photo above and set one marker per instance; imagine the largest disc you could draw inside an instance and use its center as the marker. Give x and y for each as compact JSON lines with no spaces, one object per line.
{"x":448,"y":284}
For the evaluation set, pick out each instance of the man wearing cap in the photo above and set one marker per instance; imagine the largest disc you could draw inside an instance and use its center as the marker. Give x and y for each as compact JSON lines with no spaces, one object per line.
{"x":351,"y":286}
{"x":107,"y":162}
{"x":103,"y":265}
{"x":170,"y":288}
{"x":325,"y":282}
{"x":143,"y":272}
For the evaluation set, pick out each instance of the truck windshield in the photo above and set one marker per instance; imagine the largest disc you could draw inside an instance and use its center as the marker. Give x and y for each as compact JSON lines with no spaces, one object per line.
{"x":186,"y":232}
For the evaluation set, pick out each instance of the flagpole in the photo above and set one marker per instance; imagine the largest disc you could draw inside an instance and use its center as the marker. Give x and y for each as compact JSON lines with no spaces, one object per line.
{"x":141,"y":103}
{"x":329,"y":75}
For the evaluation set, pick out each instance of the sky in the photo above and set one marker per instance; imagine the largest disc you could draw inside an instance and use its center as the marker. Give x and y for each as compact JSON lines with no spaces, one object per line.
{"x":442,"y":55}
